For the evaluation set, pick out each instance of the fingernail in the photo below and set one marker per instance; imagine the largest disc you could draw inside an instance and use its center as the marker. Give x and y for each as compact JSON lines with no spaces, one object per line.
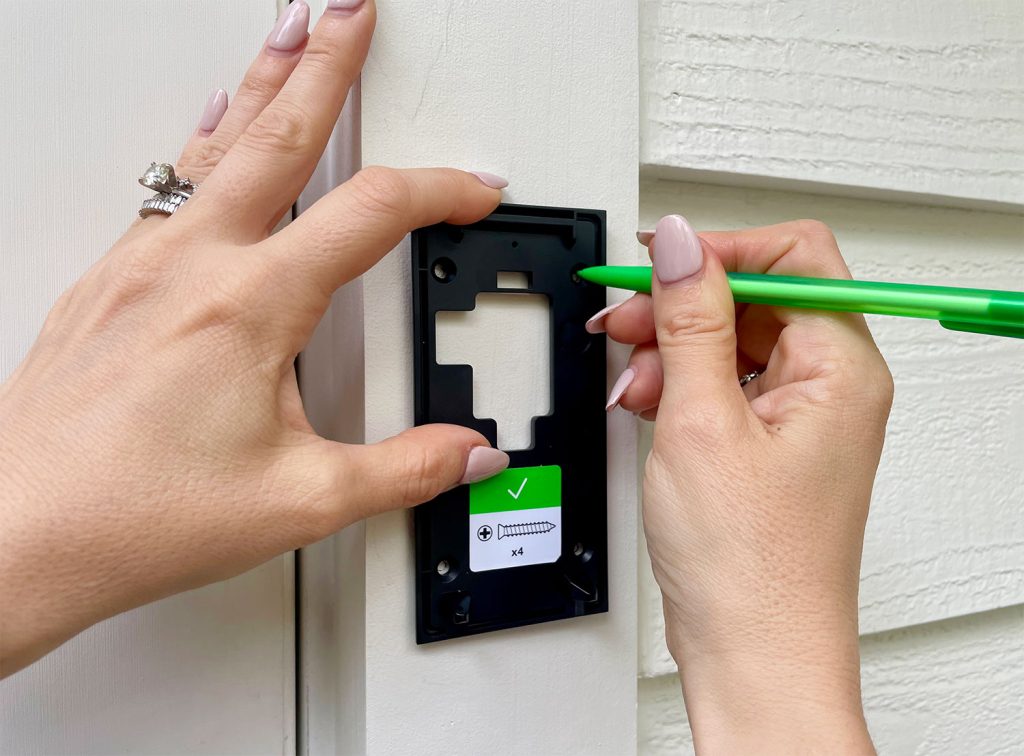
{"x":484,"y":462}
{"x":216,"y":106}
{"x":596,"y":323}
{"x":344,"y":5}
{"x":627,"y":377}
{"x":291,"y":29}
{"x":489,"y":179}
{"x":677,"y":250}
{"x":644,"y":237}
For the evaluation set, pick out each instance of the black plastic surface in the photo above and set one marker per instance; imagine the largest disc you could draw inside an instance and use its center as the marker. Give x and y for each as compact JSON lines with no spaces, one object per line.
{"x":548,"y":244}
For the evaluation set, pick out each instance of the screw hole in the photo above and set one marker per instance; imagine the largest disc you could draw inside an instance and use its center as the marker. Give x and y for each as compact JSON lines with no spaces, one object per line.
{"x":577,"y":549}
{"x":574,"y":274}
{"x":443,"y":270}
{"x":448,"y":570}
{"x":515,"y":244}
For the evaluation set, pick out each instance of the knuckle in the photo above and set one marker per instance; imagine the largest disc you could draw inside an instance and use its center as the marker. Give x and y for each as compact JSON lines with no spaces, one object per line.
{"x":256,"y":89}
{"x":137,"y":271}
{"x":280,"y":129}
{"x":424,"y":473}
{"x":380,"y":190}
{"x":683,"y":324}
{"x":131,"y":276}
{"x":59,"y":311}
{"x":217,"y":307}
{"x":881,"y":387}
{"x":814,"y":230}
{"x":320,"y":59}
{"x":220,"y":300}
{"x":199,"y":162}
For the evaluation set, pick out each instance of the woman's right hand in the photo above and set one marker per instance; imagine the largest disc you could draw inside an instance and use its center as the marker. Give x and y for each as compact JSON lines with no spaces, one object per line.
{"x":755,"y":498}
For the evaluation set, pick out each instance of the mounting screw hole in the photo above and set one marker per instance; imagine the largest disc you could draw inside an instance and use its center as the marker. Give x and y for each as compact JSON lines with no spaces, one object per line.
{"x":574,"y":274}
{"x":577,"y":549}
{"x":515,"y":244}
{"x":443,"y":269}
{"x":448,"y":570}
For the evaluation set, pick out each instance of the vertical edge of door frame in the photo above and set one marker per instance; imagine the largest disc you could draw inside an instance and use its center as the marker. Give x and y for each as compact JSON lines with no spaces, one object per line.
{"x":330,"y":575}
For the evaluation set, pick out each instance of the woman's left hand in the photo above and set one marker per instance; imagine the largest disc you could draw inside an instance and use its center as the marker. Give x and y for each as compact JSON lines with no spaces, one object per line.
{"x":154,"y":439}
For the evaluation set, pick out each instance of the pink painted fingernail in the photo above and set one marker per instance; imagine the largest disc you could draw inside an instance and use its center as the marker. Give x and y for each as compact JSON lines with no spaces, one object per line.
{"x":677,"y":250}
{"x":596,"y":323}
{"x":627,"y":377}
{"x":344,"y":5}
{"x":291,"y":29}
{"x":489,"y":179}
{"x":644,"y":237}
{"x":216,"y":106}
{"x":483,"y":462}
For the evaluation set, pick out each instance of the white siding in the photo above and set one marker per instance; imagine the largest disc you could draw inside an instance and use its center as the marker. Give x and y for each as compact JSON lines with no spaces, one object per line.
{"x":921,"y":98}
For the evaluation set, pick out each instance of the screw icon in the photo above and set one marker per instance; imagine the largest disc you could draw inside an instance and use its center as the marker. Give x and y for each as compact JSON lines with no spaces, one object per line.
{"x":525,"y":528}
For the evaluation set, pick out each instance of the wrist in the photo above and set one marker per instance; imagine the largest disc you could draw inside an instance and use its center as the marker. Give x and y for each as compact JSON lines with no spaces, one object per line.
{"x":40,"y":611}
{"x":773,"y":692}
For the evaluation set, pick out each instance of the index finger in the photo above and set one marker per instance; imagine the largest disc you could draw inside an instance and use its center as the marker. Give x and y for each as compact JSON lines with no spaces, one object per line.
{"x":348,"y":230}
{"x":263,"y":172}
{"x":804,"y":247}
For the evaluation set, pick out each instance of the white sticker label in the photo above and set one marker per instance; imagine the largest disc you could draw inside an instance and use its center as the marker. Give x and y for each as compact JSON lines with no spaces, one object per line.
{"x":513,"y":539}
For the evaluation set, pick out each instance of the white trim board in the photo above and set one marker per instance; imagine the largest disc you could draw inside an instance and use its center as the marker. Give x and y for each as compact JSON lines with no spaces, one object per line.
{"x":537,"y":92}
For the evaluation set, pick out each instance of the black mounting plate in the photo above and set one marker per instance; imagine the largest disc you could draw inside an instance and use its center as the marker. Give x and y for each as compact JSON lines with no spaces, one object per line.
{"x":450,"y":266}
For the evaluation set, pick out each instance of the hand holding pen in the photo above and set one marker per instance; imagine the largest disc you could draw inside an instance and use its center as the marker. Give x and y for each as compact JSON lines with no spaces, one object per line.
{"x":755,"y":498}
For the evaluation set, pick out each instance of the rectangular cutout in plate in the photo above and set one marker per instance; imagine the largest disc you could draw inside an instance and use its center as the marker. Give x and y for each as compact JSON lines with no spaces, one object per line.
{"x":506,"y":339}
{"x":530,"y":545}
{"x":510,"y":279}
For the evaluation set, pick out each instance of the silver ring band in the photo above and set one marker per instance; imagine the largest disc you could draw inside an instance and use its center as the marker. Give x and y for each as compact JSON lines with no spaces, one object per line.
{"x":161,"y":204}
{"x":745,"y":379}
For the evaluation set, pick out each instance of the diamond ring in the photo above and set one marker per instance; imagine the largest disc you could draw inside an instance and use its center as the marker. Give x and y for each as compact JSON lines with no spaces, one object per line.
{"x":171,"y":190}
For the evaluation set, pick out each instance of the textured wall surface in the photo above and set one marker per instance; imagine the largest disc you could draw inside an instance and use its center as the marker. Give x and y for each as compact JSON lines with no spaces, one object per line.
{"x":945,"y":537}
{"x":915,"y":97}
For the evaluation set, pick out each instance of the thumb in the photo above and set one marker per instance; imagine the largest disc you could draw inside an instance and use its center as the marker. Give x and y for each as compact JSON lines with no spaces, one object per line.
{"x":414,"y":467}
{"x":695,"y":324}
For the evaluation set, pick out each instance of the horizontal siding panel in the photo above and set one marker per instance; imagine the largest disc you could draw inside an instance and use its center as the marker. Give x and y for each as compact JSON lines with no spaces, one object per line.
{"x":919,"y":98}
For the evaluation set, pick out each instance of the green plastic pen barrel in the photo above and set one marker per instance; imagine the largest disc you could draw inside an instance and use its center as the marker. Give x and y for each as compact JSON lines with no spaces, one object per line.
{"x":999,"y":313}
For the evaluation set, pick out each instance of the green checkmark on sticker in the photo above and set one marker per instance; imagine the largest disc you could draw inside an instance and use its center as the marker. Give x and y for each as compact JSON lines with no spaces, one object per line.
{"x":517,"y":488}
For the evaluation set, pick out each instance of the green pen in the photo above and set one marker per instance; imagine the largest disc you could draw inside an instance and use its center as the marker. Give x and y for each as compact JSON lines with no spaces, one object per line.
{"x":998,"y":313}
